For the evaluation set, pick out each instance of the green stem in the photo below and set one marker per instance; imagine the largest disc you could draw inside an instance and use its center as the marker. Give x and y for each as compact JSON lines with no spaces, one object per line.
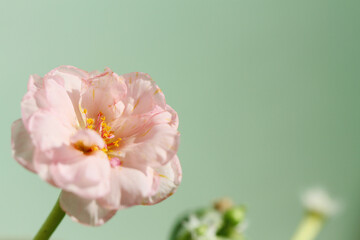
{"x":309,"y":227}
{"x":51,"y":223}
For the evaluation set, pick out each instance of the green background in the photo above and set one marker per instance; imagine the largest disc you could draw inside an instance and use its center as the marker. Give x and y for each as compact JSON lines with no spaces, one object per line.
{"x":267,"y":93}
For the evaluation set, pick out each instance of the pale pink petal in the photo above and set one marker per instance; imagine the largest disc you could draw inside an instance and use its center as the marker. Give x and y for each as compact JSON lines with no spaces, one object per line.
{"x":87,"y":176}
{"x":48,"y":131}
{"x":60,"y":103}
{"x":58,"y":90}
{"x":52,"y":97}
{"x":94,"y":73}
{"x":166,"y":180}
{"x":134,"y":186}
{"x":174,"y":117}
{"x":149,"y":139}
{"x":130,"y":125}
{"x":88,"y":137}
{"x":71,"y":79}
{"x":35,"y":82}
{"x":22,"y":147}
{"x":155,"y":144}
{"x":143,"y":94}
{"x":84,"y":211}
{"x":42,"y":161}
{"x":128,"y":188}
{"x":34,"y":99}
{"x":102,"y":93}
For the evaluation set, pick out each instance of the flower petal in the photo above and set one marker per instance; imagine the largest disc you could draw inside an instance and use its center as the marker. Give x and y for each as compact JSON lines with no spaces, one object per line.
{"x":48,"y":131}
{"x":60,"y":102}
{"x":102,"y":94}
{"x":88,"y":138}
{"x":154,"y":145}
{"x":71,"y":79}
{"x":85,"y":175}
{"x":143,"y":94}
{"x":174,"y":117}
{"x":84,"y":211}
{"x":166,"y":180}
{"x":34,"y":99}
{"x":128,"y":188}
{"x":22,"y":147}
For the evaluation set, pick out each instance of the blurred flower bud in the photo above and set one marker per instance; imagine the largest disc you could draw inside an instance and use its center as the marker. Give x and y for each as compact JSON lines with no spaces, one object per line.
{"x":234,"y":215}
{"x":223,"y":204}
{"x":223,"y":221}
{"x":319,"y":206}
{"x":318,"y":201}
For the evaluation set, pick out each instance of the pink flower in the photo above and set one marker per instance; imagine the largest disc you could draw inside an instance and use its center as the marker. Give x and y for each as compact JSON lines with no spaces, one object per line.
{"x":108,"y":141}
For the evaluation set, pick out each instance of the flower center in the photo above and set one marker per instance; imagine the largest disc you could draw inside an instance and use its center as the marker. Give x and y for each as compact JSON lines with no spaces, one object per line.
{"x":100,"y":125}
{"x":85,"y":149}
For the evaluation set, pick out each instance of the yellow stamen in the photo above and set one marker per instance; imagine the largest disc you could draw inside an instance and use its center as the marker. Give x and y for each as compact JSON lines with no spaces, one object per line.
{"x":116,"y":143}
{"x":90,"y":121}
{"x":157,"y":91}
{"x":100,"y":125}
{"x":163,"y":176}
{"x":136,"y":104}
{"x":104,"y":150}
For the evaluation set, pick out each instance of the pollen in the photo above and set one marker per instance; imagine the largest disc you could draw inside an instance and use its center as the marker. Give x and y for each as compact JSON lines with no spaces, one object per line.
{"x":90,"y":123}
{"x":114,"y":143}
{"x":105,"y":150}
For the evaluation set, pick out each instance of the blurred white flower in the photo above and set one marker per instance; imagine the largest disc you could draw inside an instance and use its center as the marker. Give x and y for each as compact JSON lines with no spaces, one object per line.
{"x":204,"y":227}
{"x":317,"y":200}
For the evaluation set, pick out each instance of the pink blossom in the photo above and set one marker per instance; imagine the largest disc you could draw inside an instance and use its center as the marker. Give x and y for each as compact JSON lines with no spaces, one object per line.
{"x":108,"y":141}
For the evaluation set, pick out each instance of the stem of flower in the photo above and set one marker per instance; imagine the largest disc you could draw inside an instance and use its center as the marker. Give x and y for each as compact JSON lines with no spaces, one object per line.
{"x":309,"y":227}
{"x":51,"y":223}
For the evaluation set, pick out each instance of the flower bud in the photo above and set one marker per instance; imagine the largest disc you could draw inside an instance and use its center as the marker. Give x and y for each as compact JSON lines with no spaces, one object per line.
{"x":317,"y":201}
{"x":234,"y":216}
{"x":223,"y":204}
